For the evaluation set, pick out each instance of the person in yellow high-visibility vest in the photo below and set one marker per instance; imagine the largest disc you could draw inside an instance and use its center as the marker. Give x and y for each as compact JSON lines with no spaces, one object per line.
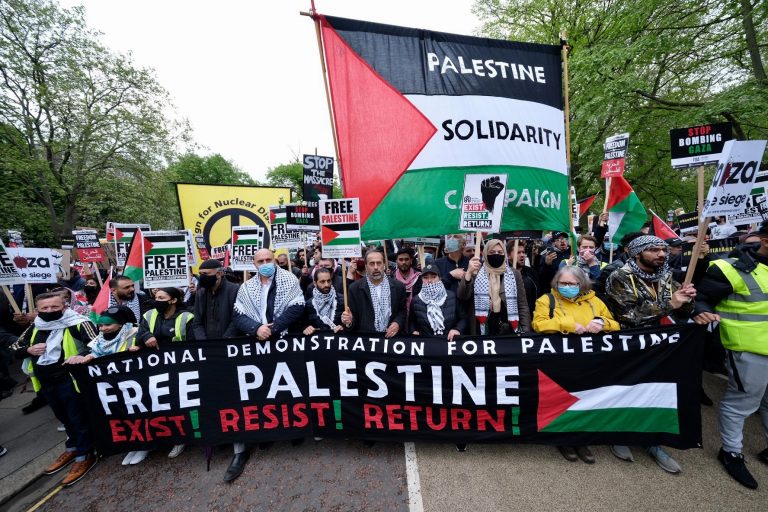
{"x":734,"y":292}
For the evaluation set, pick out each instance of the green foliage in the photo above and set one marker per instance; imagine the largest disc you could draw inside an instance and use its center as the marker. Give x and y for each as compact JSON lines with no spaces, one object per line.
{"x":214,"y":169}
{"x":292,"y":175}
{"x":79,"y":124}
{"x":645,"y":67}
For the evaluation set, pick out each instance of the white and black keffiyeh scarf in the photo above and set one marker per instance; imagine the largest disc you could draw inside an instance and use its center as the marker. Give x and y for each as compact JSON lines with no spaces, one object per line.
{"x":132,"y":304}
{"x":53,"y":346}
{"x":434,"y":296}
{"x":382,"y":304}
{"x":487,"y":301}
{"x":325,"y":306}
{"x":287,"y":294}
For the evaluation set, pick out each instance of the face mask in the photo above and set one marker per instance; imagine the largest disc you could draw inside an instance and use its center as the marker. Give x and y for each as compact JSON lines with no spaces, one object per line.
{"x":568,"y":292}
{"x":90,"y":289}
{"x":206,"y":281}
{"x":50,"y":316}
{"x":750,"y":247}
{"x":162,"y":306}
{"x":267,"y":269}
{"x":451,"y":245}
{"x":312,"y":262}
{"x":495,"y":260}
{"x":608,"y":246}
{"x":428,"y":259}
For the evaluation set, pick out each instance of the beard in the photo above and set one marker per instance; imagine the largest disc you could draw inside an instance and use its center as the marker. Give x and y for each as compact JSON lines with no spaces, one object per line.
{"x":652,"y":263}
{"x":126,"y":296}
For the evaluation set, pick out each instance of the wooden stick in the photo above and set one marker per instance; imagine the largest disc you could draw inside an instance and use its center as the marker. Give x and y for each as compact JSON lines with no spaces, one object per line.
{"x":700,"y":173}
{"x":98,"y":275}
{"x":478,"y":239}
{"x":30,"y":298}
{"x":567,"y":104}
{"x":344,"y":282}
{"x":9,"y":296}
{"x":696,"y":250}
{"x":386,"y":258}
{"x":422,"y":260}
{"x":514,"y":254}
{"x":607,"y":197}
{"x":610,"y":254}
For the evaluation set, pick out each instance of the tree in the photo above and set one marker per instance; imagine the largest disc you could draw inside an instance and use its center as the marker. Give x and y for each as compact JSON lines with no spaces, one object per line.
{"x":292,"y":175}
{"x":73,"y":114}
{"x":645,"y":67}
{"x":214,"y":169}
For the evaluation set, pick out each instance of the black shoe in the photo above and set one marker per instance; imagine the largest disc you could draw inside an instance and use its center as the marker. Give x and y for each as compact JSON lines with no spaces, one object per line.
{"x":705,"y":400}
{"x":237,"y":466}
{"x":763,"y":456}
{"x":297,"y":442}
{"x":37,"y":403}
{"x":368,"y":443}
{"x":266,"y":445}
{"x":461,"y":447}
{"x":736,"y":467}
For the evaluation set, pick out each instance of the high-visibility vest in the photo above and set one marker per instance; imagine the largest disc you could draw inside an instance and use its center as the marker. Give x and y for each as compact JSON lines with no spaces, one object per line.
{"x":744,"y":313}
{"x":180,"y":326}
{"x":68,"y":345}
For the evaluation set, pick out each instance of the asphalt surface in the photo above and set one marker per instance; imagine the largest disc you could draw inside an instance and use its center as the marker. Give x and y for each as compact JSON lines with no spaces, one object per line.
{"x":339,"y":475}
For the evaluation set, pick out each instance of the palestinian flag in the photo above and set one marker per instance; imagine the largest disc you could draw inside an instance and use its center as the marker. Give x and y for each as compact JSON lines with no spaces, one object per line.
{"x":277,"y":215}
{"x":415,"y":111}
{"x":648,"y":407}
{"x":625,"y":211}
{"x":340,"y":234}
{"x":661,"y":229}
{"x":247,"y":235}
{"x":585,"y":203}
{"x":134,"y":263}
{"x":102,"y":300}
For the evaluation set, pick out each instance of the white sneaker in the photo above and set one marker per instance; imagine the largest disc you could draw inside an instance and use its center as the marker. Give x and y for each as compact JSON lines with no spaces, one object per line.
{"x":139,"y":456}
{"x":127,"y":458}
{"x":176,"y":451}
{"x":61,"y":428}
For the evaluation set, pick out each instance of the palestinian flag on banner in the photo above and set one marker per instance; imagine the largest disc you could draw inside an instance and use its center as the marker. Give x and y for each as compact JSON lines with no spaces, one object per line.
{"x":134,"y":263}
{"x":277,"y":215}
{"x":340,"y":234}
{"x":164,"y":244}
{"x":247,"y":236}
{"x":649,"y":407}
{"x":625,"y":211}
{"x":415,"y":111}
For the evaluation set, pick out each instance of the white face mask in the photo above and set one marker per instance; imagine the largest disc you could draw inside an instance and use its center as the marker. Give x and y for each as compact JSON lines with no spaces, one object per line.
{"x":312,"y":262}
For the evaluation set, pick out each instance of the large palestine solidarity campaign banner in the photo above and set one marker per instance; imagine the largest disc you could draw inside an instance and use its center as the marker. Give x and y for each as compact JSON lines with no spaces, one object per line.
{"x":415,"y":111}
{"x":637,"y":387}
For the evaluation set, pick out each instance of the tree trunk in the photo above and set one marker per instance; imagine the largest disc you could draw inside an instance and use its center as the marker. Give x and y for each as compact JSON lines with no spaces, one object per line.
{"x":753,"y":46}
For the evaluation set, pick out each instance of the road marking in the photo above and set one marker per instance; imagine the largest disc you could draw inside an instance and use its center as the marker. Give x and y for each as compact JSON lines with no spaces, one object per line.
{"x":47,"y":497}
{"x":412,"y":474}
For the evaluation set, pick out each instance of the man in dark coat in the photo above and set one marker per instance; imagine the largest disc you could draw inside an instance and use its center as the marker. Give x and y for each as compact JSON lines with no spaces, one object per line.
{"x":324,"y":305}
{"x":214,"y":303}
{"x":435,"y":311}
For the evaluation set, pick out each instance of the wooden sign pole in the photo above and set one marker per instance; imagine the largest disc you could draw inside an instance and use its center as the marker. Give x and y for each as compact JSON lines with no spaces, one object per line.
{"x":703,"y":223}
{"x":514,"y":254}
{"x":11,"y":300}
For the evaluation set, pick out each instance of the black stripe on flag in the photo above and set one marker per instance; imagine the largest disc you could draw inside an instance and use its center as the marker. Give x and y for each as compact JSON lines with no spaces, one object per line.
{"x":342,"y":227}
{"x":402,"y":56}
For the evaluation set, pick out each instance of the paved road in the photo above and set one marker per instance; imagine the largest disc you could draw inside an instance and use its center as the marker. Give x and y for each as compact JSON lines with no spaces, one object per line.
{"x":337,"y":475}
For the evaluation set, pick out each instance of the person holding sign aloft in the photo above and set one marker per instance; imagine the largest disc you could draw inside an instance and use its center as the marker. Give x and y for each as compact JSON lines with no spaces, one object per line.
{"x":498,"y":293}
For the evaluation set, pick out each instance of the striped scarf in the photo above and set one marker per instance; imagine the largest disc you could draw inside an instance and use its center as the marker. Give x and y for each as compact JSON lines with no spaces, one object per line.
{"x":488,"y":298}
{"x":382,"y":304}
{"x":434,"y":296}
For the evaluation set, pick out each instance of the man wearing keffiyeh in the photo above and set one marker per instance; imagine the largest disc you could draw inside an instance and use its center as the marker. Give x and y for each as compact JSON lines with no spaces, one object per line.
{"x":376,"y":303}
{"x":325,"y":305}
{"x":269,"y":302}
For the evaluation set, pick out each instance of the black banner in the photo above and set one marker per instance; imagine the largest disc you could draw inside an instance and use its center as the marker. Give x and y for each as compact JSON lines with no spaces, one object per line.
{"x":637,"y":387}
{"x":718,"y":249}
{"x":318,"y":183}
{"x":302,"y":218}
{"x":688,"y":222}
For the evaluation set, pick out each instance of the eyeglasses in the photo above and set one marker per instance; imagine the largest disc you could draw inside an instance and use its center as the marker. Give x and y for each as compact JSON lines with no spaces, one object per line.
{"x":560,"y":283}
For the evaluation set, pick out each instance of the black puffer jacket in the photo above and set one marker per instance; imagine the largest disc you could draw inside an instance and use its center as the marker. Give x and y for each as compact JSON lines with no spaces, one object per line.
{"x":453,"y":316}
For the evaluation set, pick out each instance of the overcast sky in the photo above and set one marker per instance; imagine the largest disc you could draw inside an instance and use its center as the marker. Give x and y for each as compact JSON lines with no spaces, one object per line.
{"x":246,"y":73}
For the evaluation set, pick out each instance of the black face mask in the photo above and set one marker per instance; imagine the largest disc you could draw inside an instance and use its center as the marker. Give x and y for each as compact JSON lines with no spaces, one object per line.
{"x":90,"y":289}
{"x":110,"y":335}
{"x":206,"y":281}
{"x":162,"y":306}
{"x":50,"y":316}
{"x":750,"y":247}
{"x":495,"y":260}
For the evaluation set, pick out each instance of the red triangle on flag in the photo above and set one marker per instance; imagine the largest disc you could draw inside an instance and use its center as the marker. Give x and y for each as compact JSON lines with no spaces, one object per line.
{"x":620,"y":189}
{"x":329,"y":235}
{"x":234,"y":237}
{"x":379,"y":131}
{"x":553,"y":400}
{"x":272,"y":216}
{"x":661,"y":229}
{"x":118,"y":234}
{"x":102,"y":299}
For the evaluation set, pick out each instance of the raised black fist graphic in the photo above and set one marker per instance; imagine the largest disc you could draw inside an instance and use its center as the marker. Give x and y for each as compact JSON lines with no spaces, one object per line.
{"x":490,"y":188}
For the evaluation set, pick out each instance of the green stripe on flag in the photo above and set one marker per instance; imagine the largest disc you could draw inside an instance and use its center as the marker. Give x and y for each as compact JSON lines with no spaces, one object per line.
{"x":167,"y":250}
{"x":343,"y":241}
{"x":619,"y":419}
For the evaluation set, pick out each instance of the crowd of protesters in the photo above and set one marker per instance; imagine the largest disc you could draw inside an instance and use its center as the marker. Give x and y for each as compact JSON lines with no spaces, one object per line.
{"x":502,"y":288}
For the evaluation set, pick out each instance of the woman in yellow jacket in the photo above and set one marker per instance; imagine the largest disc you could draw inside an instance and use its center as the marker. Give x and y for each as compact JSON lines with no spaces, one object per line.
{"x":572,"y":307}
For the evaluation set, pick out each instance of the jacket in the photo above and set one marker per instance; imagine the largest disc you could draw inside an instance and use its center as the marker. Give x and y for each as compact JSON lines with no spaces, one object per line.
{"x":361,"y":305}
{"x":467,"y":293}
{"x":247,"y":326}
{"x":213,"y":312}
{"x":314,"y":320}
{"x":165,"y":329}
{"x":454,"y":316}
{"x":567,"y":313}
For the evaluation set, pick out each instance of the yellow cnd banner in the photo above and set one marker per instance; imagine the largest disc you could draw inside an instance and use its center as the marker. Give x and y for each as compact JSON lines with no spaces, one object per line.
{"x":212,"y":210}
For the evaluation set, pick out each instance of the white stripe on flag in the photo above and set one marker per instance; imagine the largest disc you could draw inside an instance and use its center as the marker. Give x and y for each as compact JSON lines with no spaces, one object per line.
{"x":653,"y":394}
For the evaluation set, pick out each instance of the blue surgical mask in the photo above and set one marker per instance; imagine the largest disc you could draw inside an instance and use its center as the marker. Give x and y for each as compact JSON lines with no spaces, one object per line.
{"x":607,"y":246}
{"x":451,"y":245}
{"x":428,"y":259}
{"x":569,"y":292}
{"x":267,"y":269}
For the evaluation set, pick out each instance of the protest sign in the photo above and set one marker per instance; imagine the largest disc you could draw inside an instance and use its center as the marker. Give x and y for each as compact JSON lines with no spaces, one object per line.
{"x":300,"y":217}
{"x":427,"y":241}
{"x":318,"y":182}
{"x":482,"y":202}
{"x":87,"y":246}
{"x":698,"y":145}
{"x":756,"y":209}
{"x":9,"y":274}
{"x":121,"y":236}
{"x":165,"y":259}
{"x":220,"y":252}
{"x":532,"y":389}
{"x":340,"y":228}
{"x":614,"y":156}
{"x":15,"y":239}
{"x":521,"y":235}
{"x":688,"y":222}
{"x":35,"y":265}
{"x":735,"y":177}
{"x":191,"y":248}
{"x":281,"y":237}
{"x":718,"y":249}
{"x":202,"y":249}
{"x":246,"y":240}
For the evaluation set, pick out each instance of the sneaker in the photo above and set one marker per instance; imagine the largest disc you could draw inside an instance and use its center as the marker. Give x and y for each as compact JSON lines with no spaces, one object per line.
{"x":763,"y":456}
{"x":736,"y":466}
{"x":79,"y":470}
{"x":622,"y":452}
{"x":176,"y":451}
{"x":568,"y":453}
{"x":127,"y":458}
{"x":60,"y":463}
{"x":61,"y":428}
{"x":3,"y":450}
{"x":663,"y":459}
{"x":585,"y":454}
{"x":140,"y":455}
